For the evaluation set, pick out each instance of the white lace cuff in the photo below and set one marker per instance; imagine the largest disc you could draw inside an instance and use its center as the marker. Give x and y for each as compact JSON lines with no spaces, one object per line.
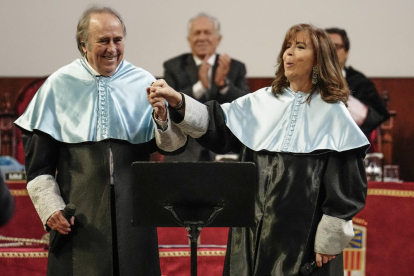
{"x":333,"y":235}
{"x":163,"y":125}
{"x":45,"y":195}
{"x":196,"y":118}
{"x":169,"y":137}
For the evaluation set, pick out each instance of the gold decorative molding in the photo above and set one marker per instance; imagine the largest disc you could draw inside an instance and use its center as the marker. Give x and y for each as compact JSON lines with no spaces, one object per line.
{"x":201,"y":253}
{"x":387,"y":192}
{"x":16,"y":181}
{"x":21,"y":192}
{"x":44,"y":240}
{"x":360,"y":221}
{"x":23,"y":254}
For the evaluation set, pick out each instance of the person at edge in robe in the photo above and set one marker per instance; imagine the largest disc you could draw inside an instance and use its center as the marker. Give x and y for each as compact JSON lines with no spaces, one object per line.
{"x":89,"y":121}
{"x":309,"y":154}
{"x":204,"y":75}
{"x":6,"y":203}
{"x":365,"y":105}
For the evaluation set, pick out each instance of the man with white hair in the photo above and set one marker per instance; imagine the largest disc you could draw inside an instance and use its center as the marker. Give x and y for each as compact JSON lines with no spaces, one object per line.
{"x":205,"y":75}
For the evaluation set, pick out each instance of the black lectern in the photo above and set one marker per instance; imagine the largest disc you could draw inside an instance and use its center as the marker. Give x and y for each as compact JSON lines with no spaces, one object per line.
{"x":193,"y":195}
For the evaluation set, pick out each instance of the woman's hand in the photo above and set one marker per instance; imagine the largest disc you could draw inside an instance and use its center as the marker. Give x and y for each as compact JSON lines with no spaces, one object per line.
{"x":323,"y":258}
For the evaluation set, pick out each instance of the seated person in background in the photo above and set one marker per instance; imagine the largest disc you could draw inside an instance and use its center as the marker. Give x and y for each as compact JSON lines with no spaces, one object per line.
{"x":364,"y":104}
{"x":6,"y":203}
{"x":205,"y":75}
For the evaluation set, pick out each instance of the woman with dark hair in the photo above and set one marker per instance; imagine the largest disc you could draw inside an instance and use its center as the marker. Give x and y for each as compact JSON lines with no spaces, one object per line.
{"x":309,"y":155}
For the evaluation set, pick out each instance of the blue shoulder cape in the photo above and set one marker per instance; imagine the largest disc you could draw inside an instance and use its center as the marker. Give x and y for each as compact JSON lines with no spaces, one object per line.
{"x":75,"y":106}
{"x":287,"y":123}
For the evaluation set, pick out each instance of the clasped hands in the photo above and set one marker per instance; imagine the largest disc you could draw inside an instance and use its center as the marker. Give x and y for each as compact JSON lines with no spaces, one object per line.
{"x":158,"y":93}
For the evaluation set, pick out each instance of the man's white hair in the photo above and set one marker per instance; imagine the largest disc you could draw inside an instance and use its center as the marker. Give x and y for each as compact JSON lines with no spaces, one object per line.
{"x":211,"y":18}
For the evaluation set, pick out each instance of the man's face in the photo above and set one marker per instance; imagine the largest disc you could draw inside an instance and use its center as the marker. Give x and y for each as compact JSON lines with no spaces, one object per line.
{"x":203,"y":38}
{"x":106,"y":43}
{"x":340,"y":49}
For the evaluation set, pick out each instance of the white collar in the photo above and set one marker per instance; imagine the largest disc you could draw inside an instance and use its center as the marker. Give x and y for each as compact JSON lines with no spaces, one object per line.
{"x":344,"y":72}
{"x":210,"y":61}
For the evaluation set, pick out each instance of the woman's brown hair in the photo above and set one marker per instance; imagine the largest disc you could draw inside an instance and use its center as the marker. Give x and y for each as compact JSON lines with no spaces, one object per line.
{"x":330,"y":84}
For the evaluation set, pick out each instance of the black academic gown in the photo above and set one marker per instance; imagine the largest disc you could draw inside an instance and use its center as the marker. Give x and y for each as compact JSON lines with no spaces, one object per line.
{"x":364,"y":90}
{"x":83,"y":176}
{"x":293,"y":192}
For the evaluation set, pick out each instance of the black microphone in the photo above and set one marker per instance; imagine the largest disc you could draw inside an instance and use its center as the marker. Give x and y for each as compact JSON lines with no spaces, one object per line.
{"x":308,"y":268}
{"x":58,"y":238}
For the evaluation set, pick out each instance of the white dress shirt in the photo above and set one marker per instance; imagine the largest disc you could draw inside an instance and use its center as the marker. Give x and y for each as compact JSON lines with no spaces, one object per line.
{"x":198,"y":88}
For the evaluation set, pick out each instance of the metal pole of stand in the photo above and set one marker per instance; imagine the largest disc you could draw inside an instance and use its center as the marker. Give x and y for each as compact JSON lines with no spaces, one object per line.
{"x":194,"y":228}
{"x":193,"y":238}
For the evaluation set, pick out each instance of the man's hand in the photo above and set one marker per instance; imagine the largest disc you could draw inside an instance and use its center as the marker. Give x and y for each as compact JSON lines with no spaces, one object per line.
{"x":158,"y":93}
{"x":203,"y":72}
{"x":323,"y":258}
{"x":222,"y":70}
{"x":59,"y":223}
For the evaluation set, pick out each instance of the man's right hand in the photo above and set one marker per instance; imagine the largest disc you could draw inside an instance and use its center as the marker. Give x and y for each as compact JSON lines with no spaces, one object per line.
{"x":203,"y":72}
{"x":59,"y":223}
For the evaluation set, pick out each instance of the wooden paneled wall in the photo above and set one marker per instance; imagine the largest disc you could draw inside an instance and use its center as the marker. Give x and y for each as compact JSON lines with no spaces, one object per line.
{"x":401,"y":95}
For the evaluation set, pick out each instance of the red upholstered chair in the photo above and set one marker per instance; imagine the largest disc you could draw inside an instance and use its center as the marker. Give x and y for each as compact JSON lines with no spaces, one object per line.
{"x":24,"y":96}
{"x":375,"y":140}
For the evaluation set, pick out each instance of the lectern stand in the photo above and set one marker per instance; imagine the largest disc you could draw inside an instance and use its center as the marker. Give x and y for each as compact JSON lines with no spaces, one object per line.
{"x":193,"y":195}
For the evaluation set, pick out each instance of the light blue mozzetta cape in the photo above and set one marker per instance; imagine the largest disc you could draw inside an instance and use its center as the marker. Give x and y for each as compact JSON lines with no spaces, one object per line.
{"x":288,"y":123}
{"x":74,"y":106}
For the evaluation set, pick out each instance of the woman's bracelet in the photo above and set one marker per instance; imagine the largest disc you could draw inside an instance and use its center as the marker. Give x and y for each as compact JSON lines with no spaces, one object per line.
{"x":180,"y":105}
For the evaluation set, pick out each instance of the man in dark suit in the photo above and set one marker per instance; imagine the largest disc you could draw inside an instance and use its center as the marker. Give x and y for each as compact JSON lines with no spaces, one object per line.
{"x":205,"y":75}
{"x":366,"y":107}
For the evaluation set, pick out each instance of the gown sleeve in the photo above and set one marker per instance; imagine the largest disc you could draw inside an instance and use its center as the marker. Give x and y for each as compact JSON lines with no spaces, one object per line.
{"x":345,"y":191}
{"x":206,"y":123}
{"x":41,"y":157}
{"x":218,"y":137}
{"x":41,"y":154}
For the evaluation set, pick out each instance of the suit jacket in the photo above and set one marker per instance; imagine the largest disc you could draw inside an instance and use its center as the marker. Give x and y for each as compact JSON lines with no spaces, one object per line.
{"x":364,"y":90}
{"x":181,"y":73}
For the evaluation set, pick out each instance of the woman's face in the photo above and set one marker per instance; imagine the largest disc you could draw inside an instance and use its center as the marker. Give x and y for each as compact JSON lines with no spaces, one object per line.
{"x":299,"y":58}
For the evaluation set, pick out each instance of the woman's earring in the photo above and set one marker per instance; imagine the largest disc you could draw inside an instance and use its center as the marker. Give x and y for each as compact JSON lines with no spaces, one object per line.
{"x":314,"y":75}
